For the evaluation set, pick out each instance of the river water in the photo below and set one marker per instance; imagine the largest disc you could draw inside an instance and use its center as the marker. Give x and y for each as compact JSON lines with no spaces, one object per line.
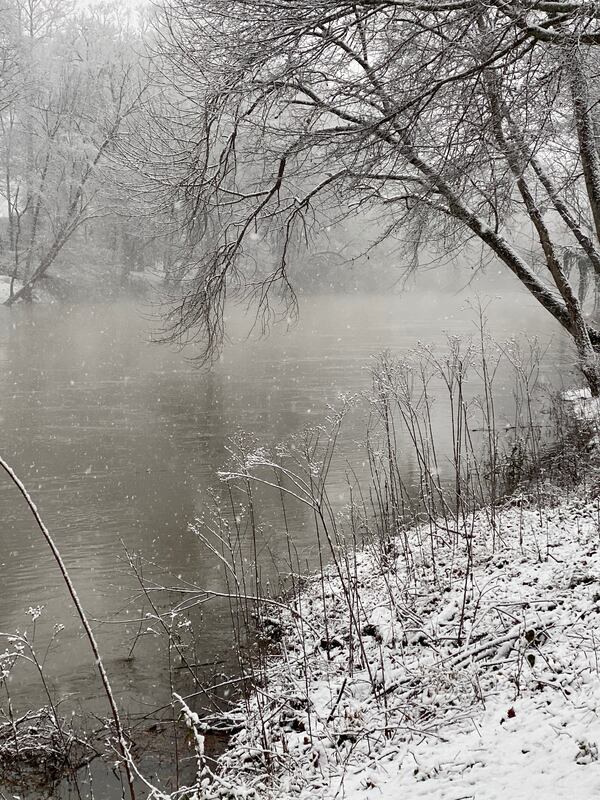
{"x":119,"y":441}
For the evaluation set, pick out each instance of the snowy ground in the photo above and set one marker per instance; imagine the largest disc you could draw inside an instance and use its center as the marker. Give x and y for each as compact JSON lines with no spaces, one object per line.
{"x":419,"y":682}
{"x":5,"y":288}
{"x":585,"y":407}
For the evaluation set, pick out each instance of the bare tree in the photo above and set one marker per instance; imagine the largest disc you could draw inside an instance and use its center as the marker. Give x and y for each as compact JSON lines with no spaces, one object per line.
{"x":458,"y":119}
{"x":78,"y":84}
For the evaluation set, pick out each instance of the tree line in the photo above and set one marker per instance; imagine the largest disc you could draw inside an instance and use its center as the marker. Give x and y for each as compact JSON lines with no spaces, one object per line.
{"x":70,"y":82}
{"x":244,"y":131}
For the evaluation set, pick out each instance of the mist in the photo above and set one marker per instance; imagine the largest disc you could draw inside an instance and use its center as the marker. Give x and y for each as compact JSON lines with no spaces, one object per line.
{"x":299,"y":345}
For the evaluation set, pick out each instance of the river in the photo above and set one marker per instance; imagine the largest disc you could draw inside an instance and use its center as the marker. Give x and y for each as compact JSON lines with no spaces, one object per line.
{"x":119,"y":441}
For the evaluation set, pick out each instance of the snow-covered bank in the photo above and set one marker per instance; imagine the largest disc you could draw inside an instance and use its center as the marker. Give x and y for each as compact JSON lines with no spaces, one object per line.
{"x":5,"y":281}
{"x":434,"y":680}
{"x":585,"y":407}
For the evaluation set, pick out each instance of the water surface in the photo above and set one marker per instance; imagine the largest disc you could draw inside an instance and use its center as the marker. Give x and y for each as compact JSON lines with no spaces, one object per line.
{"x":119,"y":441}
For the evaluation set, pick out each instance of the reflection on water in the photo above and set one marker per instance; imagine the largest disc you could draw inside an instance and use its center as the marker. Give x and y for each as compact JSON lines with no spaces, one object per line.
{"x":119,"y":441}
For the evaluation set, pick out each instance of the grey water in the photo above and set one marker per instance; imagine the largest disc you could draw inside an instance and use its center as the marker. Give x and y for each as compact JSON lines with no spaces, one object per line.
{"x":119,"y":441}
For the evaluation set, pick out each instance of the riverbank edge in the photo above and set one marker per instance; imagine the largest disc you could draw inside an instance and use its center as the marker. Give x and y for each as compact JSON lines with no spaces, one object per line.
{"x":452,"y":664}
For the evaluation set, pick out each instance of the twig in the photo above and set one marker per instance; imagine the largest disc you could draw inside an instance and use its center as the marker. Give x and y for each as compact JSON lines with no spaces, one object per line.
{"x":84,"y":621}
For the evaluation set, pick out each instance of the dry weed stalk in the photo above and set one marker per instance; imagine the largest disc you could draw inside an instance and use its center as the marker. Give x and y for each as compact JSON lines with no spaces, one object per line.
{"x":122,"y":743}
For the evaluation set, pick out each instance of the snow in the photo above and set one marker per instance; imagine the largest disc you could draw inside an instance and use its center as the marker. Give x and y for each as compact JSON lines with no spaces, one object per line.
{"x":585,"y":407}
{"x":571,"y":395}
{"x":481,"y":683}
{"x":5,"y":288}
